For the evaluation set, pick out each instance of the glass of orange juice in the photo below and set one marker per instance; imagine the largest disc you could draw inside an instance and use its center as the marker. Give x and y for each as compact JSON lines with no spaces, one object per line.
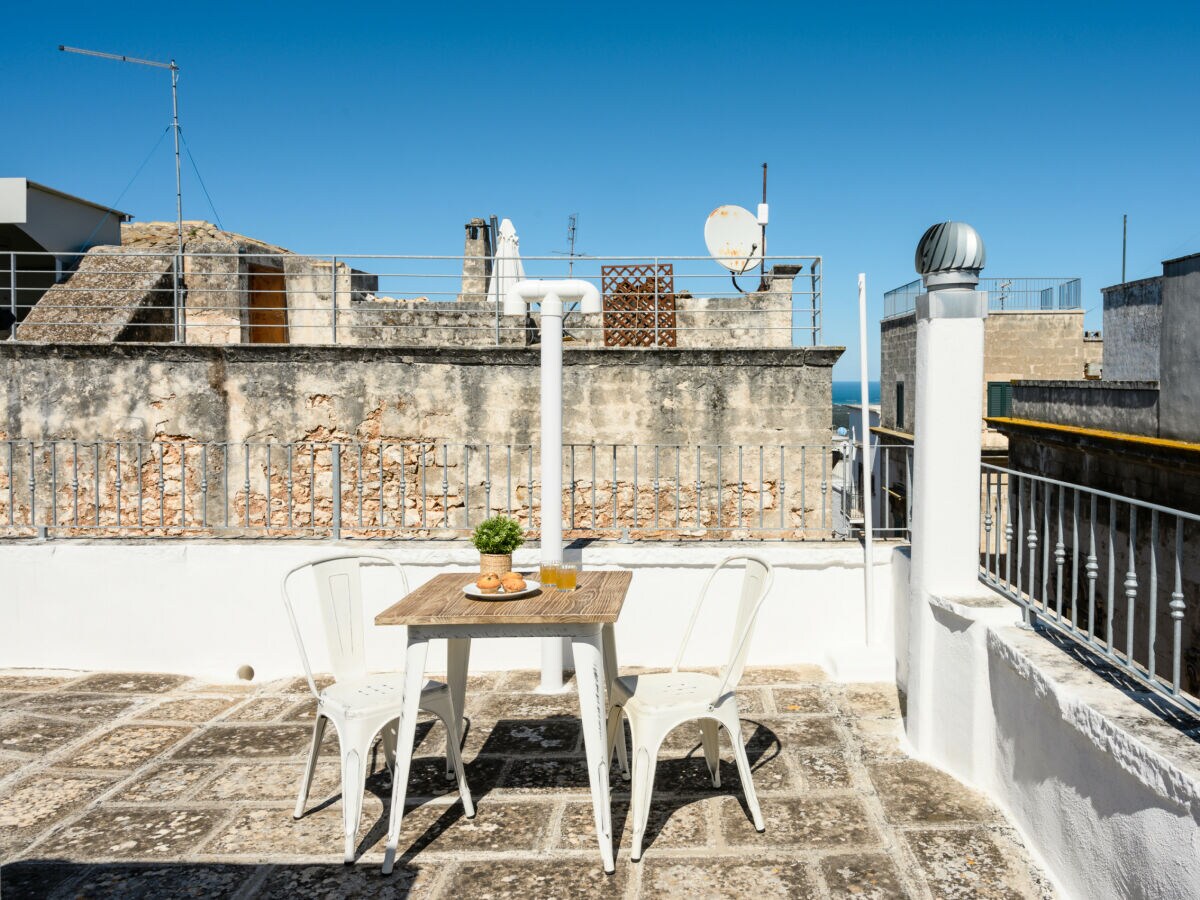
{"x":548,"y":575}
{"x":568,"y":576}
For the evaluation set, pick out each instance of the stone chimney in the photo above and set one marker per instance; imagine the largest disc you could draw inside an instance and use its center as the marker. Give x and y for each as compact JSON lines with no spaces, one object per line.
{"x":477,"y":262}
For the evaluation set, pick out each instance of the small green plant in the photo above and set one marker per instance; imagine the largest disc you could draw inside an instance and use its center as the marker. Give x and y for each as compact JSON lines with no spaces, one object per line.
{"x":499,"y":534}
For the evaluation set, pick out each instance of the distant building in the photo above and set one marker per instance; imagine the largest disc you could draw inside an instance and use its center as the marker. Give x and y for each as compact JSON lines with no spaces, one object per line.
{"x":1136,"y":431}
{"x":1034,"y":329}
{"x":43,"y":231}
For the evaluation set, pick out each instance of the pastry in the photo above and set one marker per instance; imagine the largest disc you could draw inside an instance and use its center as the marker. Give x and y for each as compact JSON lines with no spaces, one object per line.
{"x":489,"y":583}
{"x":512,"y":581}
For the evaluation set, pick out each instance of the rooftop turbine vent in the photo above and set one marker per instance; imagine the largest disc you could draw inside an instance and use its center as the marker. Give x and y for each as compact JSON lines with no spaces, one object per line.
{"x":950,"y":253}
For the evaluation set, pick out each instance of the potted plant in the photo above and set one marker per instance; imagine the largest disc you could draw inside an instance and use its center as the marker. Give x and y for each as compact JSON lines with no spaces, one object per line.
{"x":496,"y":539}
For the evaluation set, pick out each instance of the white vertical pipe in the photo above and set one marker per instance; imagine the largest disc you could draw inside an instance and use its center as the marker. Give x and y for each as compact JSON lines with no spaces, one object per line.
{"x":551,"y":378}
{"x":868,"y":523}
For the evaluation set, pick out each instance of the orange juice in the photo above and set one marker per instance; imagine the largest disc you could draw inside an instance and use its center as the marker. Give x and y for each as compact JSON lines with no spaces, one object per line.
{"x":548,"y":575}
{"x":568,"y":577}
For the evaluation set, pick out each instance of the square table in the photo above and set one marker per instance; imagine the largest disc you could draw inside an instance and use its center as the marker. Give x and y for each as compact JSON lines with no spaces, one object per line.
{"x":586,"y":615}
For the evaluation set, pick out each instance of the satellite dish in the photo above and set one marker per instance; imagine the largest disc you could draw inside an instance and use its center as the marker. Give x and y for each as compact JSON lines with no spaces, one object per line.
{"x":734,"y":238}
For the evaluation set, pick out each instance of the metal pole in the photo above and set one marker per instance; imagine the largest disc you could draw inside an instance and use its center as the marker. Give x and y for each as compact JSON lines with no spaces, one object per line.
{"x":1124,"y":243}
{"x":333,"y":297}
{"x":551,"y":551}
{"x":868,"y":524}
{"x":12,"y":294}
{"x":179,"y":318}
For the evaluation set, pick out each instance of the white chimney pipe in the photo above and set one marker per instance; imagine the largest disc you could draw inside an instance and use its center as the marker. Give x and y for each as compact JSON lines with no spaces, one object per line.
{"x":551,"y":295}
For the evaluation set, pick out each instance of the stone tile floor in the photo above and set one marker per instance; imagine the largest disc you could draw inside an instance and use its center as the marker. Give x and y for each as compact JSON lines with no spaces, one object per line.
{"x":136,"y":785}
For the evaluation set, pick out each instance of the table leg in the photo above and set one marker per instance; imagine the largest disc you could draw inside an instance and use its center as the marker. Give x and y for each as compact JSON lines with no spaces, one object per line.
{"x":608,"y":635}
{"x":458,"y":651}
{"x":592,"y":682}
{"x":414,"y":680}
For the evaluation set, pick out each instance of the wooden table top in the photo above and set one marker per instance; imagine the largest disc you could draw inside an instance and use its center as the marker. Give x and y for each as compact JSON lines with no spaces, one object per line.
{"x":441,"y":601}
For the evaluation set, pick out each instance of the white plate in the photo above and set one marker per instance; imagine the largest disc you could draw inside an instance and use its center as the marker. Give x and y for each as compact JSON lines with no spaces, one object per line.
{"x":476,"y":594}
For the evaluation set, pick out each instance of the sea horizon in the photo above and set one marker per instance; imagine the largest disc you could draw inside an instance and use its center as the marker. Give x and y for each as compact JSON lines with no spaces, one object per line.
{"x":851,"y":392}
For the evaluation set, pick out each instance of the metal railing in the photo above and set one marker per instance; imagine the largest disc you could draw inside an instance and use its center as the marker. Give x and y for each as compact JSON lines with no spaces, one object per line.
{"x":1110,"y":573}
{"x":1004,"y":294}
{"x":891,"y":499}
{"x":279,"y":297}
{"x":375,"y":489}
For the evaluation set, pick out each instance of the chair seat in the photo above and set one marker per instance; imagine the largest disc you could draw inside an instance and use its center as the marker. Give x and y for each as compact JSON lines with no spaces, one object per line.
{"x":373,"y":694}
{"x":686,"y":693}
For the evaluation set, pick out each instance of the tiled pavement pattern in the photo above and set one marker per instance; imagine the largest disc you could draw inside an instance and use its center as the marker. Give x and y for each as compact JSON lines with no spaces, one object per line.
{"x":154,"y":785}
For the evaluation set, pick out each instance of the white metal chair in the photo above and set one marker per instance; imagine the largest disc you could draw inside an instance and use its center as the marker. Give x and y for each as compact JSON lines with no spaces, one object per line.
{"x":358,"y":703}
{"x":657,"y":703}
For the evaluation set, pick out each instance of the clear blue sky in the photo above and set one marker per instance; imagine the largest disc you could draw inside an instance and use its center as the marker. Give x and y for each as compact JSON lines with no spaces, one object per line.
{"x":359,"y":129}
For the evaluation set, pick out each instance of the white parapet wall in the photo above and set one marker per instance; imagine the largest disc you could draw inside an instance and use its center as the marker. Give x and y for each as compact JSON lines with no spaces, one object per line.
{"x":207,"y":608}
{"x":1106,"y":792}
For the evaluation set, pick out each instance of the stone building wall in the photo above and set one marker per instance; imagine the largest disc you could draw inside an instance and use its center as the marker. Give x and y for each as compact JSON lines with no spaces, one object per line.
{"x":1016,"y":345}
{"x":898,"y":365}
{"x":1133,"y":329}
{"x":418,"y":422}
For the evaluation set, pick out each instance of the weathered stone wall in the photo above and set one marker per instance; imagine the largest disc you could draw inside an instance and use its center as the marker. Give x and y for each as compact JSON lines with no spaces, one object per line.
{"x":1133,"y":330}
{"x":898,"y":365}
{"x":1130,"y":406}
{"x":1179,"y":374}
{"x":423,"y":419}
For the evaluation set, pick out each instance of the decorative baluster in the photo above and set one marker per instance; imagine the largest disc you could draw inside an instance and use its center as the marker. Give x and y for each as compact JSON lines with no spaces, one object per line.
{"x":1031,"y":541}
{"x":246,"y":479}
{"x":1010,"y":547}
{"x":1112,"y":574}
{"x":1153,"y":619}
{"x":1131,"y":584}
{"x":1060,"y":556}
{"x":204,"y":485}
{"x":1019,"y":537}
{"x":1177,"y":608}
{"x":74,"y":480}
{"x":1075,"y":559}
{"x":267,"y":514}
{"x":1092,"y":568}
{"x":987,"y":523}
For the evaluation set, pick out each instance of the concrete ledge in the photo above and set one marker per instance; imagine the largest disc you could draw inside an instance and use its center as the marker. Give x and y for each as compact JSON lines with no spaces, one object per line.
{"x":482,"y":356}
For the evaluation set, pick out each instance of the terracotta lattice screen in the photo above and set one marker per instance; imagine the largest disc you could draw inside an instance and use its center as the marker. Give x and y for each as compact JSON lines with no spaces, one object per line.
{"x":639,"y":305}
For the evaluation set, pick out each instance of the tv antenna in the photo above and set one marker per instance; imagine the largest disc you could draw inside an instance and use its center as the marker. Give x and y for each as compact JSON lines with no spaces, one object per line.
{"x":174,"y":70}
{"x":572,"y":226}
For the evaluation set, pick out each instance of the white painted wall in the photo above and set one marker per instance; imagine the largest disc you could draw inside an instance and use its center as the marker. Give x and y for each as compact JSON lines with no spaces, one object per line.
{"x":206,"y":608}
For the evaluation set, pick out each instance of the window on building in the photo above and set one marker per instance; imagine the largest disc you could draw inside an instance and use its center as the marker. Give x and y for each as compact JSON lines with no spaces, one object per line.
{"x":899,"y":406}
{"x":999,"y":398}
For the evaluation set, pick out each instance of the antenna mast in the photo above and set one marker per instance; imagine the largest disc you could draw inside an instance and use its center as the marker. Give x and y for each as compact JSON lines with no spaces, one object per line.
{"x":174,"y":69}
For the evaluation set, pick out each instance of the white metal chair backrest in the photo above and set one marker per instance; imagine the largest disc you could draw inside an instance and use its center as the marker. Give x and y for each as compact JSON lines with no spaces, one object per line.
{"x":339,"y":597}
{"x":757,"y":579}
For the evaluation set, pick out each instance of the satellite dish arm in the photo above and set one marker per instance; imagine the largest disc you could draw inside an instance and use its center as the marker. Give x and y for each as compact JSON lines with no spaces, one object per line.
{"x":745,"y":264}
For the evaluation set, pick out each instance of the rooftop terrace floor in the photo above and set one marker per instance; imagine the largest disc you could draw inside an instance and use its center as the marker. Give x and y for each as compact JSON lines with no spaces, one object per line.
{"x":139,"y":785}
